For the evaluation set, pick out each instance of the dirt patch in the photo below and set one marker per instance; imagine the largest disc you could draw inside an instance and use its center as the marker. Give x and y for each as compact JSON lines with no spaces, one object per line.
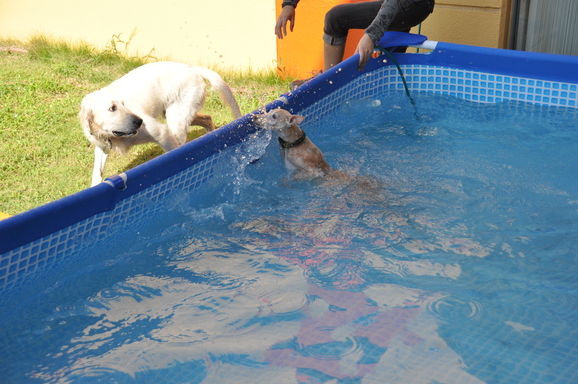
{"x":13,"y":49}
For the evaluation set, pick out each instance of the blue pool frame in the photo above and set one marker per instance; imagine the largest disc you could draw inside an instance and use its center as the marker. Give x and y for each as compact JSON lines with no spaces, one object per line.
{"x":36,"y":240}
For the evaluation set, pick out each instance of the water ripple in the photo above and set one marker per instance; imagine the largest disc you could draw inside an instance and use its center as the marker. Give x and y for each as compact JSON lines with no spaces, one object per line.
{"x":334,"y":350}
{"x":451,"y":309}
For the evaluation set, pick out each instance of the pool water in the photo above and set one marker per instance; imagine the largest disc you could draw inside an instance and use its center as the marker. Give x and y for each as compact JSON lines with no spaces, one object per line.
{"x":447,"y":256}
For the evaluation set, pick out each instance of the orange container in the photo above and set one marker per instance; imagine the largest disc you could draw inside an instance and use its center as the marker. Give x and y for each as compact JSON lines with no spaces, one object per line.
{"x":300,"y":53}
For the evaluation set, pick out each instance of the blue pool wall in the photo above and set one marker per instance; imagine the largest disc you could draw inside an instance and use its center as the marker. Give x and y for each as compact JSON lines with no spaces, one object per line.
{"x":36,"y":241}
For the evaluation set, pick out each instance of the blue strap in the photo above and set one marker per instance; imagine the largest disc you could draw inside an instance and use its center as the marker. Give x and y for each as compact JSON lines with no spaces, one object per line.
{"x":400,"y":39}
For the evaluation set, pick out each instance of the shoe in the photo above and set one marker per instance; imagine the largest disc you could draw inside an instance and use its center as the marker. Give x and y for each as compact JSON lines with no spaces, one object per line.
{"x":297,"y":83}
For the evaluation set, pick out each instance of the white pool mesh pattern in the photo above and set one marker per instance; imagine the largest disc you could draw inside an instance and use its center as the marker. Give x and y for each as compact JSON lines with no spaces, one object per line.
{"x":464,"y":84}
{"x":41,"y":254}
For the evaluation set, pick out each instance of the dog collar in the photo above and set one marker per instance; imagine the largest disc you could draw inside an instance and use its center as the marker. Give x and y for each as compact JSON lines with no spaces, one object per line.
{"x":286,"y":144}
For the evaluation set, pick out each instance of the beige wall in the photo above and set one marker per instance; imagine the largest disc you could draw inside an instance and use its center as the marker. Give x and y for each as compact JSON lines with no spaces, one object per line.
{"x":472,"y":22}
{"x":232,"y":34}
{"x":228,"y":33}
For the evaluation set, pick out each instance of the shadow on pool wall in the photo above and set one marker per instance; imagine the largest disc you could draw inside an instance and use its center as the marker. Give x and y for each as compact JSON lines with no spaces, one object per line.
{"x":39,"y":239}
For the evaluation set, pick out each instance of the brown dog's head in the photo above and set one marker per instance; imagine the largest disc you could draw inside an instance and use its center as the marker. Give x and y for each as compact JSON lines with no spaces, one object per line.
{"x":103,"y":117}
{"x":277,"y":120}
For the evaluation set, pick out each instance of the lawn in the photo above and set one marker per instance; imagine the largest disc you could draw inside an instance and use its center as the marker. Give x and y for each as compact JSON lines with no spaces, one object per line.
{"x":43,"y":153}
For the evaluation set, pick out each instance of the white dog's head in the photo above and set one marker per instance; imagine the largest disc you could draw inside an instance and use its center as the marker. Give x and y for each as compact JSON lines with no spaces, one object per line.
{"x":103,"y":118}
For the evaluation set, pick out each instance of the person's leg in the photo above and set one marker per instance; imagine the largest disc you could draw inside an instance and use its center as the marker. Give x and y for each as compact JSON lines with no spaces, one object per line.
{"x":338,"y":21}
{"x":332,"y":55}
{"x":341,"y":18}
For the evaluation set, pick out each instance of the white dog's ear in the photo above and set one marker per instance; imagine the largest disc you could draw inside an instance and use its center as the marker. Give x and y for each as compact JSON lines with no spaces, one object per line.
{"x":91,"y":129}
{"x":296,"y":119}
{"x":86,"y":117}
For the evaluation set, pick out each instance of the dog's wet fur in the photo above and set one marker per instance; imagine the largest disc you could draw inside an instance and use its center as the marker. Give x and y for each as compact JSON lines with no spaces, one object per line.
{"x":300,"y":156}
{"x":305,"y":161}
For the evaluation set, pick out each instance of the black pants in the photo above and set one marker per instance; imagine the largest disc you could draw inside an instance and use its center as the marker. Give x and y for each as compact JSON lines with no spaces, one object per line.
{"x":341,"y":18}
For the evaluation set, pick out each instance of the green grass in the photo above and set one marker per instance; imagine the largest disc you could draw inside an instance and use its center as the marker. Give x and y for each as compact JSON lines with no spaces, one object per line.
{"x":43,"y":153}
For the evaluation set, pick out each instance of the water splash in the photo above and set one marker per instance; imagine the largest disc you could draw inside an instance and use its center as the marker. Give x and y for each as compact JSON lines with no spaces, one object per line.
{"x":247,"y":153}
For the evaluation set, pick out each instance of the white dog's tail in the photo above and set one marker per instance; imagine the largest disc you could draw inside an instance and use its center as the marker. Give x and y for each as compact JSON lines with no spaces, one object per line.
{"x":219,"y":84}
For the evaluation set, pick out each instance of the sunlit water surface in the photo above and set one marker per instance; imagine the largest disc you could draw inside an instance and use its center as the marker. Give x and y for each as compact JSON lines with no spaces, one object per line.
{"x":448,"y":256}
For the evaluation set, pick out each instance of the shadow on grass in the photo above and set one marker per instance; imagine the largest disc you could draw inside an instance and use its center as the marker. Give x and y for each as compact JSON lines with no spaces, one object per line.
{"x":153,"y":151}
{"x":143,"y":157}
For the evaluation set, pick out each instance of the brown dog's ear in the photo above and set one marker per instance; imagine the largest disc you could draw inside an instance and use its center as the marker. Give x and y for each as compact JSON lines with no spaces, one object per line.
{"x":296,"y":119}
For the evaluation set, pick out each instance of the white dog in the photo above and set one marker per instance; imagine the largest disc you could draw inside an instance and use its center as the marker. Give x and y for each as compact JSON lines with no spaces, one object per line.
{"x":127,"y":112}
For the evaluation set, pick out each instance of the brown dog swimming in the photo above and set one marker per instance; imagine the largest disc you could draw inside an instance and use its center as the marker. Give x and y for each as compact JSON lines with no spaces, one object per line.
{"x":300,"y":155}
{"x":306,"y":161}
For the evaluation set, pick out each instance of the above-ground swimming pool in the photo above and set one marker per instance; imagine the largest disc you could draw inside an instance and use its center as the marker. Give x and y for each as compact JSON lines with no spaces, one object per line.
{"x":447,"y":256}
